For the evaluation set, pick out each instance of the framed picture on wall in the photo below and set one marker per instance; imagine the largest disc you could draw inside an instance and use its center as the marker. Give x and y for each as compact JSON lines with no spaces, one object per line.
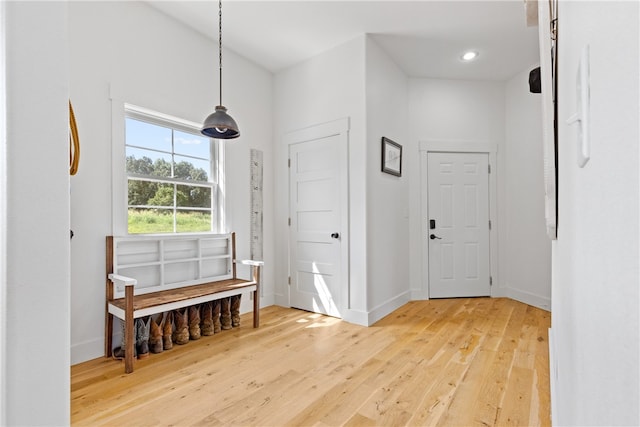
{"x":391,"y":157}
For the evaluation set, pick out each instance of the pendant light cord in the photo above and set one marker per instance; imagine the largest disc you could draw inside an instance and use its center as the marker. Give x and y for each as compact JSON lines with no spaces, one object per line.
{"x":220,"y":44}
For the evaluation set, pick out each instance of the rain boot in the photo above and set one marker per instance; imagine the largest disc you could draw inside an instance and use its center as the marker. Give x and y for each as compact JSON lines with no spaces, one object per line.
{"x":215,"y":314}
{"x":118,"y":352}
{"x":235,"y":310}
{"x":181,"y":334}
{"x":225,"y":313}
{"x":167,"y":331}
{"x":194,"y":322}
{"x":142,"y":337}
{"x":206,"y":327}
{"x":155,"y":336}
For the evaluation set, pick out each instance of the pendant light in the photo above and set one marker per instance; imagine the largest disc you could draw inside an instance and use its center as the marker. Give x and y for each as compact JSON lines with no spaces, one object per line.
{"x":219,"y":124}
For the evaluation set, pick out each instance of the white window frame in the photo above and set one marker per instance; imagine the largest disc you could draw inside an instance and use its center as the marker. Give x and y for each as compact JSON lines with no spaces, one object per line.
{"x":121,"y":111}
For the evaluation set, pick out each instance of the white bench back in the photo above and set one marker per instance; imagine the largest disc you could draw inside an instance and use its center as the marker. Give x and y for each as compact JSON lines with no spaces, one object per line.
{"x":161,"y":262}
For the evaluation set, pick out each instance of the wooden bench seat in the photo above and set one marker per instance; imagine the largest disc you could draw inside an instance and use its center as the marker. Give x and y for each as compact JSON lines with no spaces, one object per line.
{"x":178,"y":271}
{"x":159,"y":302}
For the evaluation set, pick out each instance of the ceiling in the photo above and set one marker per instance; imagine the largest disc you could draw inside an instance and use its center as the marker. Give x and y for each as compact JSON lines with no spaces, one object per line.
{"x":423,"y":37}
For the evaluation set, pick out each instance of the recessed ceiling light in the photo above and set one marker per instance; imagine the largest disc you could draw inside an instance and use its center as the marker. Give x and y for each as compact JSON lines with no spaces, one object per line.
{"x":469,"y":56}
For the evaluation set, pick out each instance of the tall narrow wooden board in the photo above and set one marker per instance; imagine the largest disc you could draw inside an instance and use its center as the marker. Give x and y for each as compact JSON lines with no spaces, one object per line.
{"x":256,"y":182}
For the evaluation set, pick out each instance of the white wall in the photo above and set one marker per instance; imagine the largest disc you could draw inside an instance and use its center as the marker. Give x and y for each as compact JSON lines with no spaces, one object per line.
{"x":143,"y":57}
{"x":506,"y":116}
{"x":36,"y":367}
{"x":528,"y":263}
{"x":457,"y":109}
{"x":387,"y":195}
{"x":385,"y":211}
{"x":454,"y":110}
{"x":595,"y":296}
{"x":3,"y":215}
{"x":324,"y":88}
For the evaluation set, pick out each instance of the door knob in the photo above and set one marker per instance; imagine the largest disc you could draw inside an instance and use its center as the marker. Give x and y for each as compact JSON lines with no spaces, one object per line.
{"x":433,"y":236}
{"x":335,"y":235}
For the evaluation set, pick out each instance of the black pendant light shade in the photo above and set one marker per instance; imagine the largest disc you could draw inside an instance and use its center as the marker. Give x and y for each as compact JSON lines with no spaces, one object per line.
{"x":219,"y":124}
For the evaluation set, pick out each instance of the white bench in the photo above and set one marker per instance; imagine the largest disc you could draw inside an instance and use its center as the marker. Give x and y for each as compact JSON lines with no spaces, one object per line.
{"x":153,"y":274}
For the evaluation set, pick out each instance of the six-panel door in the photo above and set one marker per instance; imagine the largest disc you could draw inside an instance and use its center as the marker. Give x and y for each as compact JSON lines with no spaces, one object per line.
{"x":458,"y":204}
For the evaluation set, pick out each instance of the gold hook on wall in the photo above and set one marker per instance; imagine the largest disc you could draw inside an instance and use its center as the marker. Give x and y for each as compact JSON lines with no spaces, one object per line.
{"x":74,"y":143}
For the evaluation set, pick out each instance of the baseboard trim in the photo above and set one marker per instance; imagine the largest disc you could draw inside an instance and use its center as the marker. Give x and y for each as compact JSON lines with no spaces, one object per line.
{"x":356,"y":317}
{"x":388,"y":307}
{"x":265,"y":301}
{"x":281,"y":300}
{"x":87,"y":350}
{"x":553,"y":377}
{"x":531,"y":299}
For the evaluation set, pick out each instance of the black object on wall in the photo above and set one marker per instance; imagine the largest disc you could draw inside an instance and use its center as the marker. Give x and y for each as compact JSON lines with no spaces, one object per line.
{"x":534,"y":81}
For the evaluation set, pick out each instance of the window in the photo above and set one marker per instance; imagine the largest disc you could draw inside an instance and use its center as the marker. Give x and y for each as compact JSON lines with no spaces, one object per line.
{"x":171,"y":176}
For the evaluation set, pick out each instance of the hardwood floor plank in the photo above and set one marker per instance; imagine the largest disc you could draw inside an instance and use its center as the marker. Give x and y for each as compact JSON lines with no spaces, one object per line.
{"x":542,"y":392}
{"x":334,"y":406}
{"x":517,"y":401}
{"x":469,"y":361}
{"x":436,"y":402}
{"x":358,"y":420}
{"x":496,"y":363}
{"x":470,"y":389}
{"x":331,"y":367}
{"x":407,"y":392}
{"x":500,"y":313}
{"x":466,"y":408}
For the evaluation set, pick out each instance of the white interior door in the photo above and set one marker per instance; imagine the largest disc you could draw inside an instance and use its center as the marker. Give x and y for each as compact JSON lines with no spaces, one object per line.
{"x":318,"y":236}
{"x":458,"y":229}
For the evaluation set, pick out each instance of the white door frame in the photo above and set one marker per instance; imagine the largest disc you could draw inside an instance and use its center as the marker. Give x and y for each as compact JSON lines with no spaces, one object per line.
{"x":339,"y":128}
{"x":456,"y":146}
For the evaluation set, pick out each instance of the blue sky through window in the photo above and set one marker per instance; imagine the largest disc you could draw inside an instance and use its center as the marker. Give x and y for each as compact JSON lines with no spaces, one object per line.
{"x":147,"y":135}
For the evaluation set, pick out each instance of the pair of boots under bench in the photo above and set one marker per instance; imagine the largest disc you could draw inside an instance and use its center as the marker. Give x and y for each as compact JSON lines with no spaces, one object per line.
{"x":190,"y":324}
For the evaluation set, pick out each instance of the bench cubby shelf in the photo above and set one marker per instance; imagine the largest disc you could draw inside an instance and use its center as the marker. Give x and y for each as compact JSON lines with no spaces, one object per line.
{"x":157,"y":273}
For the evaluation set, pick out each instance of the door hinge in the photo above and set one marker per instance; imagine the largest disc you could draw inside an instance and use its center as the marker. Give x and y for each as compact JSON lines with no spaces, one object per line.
{"x":490,"y":281}
{"x":289,"y":280}
{"x":289,"y":222}
{"x":289,"y":163}
{"x":489,"y":224}
{"x":489,"y":167}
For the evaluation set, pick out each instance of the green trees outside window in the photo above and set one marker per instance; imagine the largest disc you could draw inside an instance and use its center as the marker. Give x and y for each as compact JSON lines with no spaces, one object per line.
{"x":169,"y":189}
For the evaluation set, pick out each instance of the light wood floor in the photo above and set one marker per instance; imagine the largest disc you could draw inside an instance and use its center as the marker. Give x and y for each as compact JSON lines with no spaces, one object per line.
{"x":457,"y":362}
